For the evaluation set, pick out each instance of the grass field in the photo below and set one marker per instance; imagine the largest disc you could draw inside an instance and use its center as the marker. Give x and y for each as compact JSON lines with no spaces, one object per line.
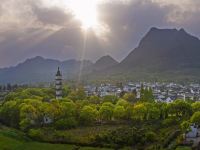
{"x":11,"y":139}
{"x":183,"y":148}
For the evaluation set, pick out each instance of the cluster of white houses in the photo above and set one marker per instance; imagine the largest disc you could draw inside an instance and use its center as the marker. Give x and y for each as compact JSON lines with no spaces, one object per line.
{"x":164,"y":92}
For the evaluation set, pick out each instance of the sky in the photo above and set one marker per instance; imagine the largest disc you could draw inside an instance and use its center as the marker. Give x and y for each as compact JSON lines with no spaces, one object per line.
{"x":86,"y":29}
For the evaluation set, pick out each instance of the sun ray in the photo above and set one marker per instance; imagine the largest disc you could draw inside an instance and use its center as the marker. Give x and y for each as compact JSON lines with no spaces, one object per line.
{"x":85,"y":11}
{"x":82,"y":56}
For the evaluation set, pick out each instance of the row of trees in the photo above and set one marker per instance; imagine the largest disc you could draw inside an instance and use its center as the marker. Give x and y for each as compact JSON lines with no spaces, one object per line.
{"x":27,"y":108}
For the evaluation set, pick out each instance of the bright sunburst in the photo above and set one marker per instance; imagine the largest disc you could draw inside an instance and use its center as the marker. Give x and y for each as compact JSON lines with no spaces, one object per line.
{"x":86,"y":12}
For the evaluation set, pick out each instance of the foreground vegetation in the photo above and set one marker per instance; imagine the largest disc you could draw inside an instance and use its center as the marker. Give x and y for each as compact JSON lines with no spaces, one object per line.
{"x":11,"y":139}
{"x":112,"y":122}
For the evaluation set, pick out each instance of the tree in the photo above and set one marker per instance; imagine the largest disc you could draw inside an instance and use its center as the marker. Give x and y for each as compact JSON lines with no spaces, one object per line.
{"x":122,"y":102}
{"x":196,"y":118}
{"x":94,"y":99}
{"x":152,"y":111}
{"x":110,"y":98}
{"x":163,"y":110}
{"x":119,"y":112}
{"x":66,"y":123}
{"x":146,"y":95}
{"x":129,"y":112}
{"x":139,"y":111}
{"x":66,"y":91}
{"x":28,"y":115}
{"x":88,"y":115}
{"x":78,"y":94}
{"x":68,"y":109}
{"x":9,"y":113}
{"x":196,"y":106}
{"x":180,"y":108}
{"x":185,"y":126}
{"x":130,"y":97}
{"x":106,"y":111}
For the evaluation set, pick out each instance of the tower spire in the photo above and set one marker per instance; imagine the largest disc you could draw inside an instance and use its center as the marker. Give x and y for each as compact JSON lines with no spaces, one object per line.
{"x":58,"y":84}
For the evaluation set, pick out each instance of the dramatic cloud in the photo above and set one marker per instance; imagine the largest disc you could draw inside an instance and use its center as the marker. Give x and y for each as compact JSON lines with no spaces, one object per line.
{"x":49,"y":27}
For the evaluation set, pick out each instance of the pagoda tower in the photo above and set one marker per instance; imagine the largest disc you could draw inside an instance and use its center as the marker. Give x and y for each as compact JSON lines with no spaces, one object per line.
{"x":58,"y":84}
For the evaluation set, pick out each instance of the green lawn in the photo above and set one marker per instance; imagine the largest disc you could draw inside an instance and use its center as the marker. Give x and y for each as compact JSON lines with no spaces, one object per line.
{"x":183,"y":148}
{"x":11,"y":139}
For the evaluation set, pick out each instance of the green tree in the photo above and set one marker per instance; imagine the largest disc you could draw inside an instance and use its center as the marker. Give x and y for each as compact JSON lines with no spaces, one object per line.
{"x":78,"y":94}
{"x":185,"y":126}
{"x":146,"y":95}
{"x":9,"y":113}
{"x":110,"y":98}
{"x":66,"y":90}
{"x":130,"y":97}
{"x":196,"y":106}
{"x":106,"y":111}
{"x":94,"y":99}
{"x":129,"y":112}
{"x":88,"y":115}
{"x":152,"y":111}
{"x":119,"y":112}
{"x":66,"y":123}
{"x":28,"y":115}
{"x":163,"y":110}
{"x":139,"y":111}
{"x":68,"y":109}
{"x":196,"y":118}
{"x":122,"y":102}
{"x":180,"y":108}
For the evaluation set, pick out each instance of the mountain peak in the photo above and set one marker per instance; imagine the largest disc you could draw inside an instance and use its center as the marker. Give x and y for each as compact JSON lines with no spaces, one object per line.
{"x":182,"y":30}
{"x":158,"y":37}
{"x":38,"y":58}
{"x":105,"y":62}
{"x":106,"y":58}
{"x":164,"y":50}
{"x":157,"y":31}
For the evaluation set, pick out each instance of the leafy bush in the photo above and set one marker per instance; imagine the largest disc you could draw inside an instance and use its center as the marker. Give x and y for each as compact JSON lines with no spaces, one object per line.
{"x":66,"y":123}
{"x":150,"y":137}
{"x":169,"y":122}
{"x":36,"y":134}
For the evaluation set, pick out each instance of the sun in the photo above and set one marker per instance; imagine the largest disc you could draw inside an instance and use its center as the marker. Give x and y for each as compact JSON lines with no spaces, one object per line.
{"x":86,"y":12}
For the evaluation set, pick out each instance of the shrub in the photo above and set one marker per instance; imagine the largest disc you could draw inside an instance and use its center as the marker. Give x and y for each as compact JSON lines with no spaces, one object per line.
{"x":36,"y":134}
{"x":169,"y":122}
{"x":150,"y":137}
{"x":66,"y":123}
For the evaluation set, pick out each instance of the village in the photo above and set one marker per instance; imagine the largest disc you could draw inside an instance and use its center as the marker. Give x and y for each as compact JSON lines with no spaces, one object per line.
{"x":162,"y":92}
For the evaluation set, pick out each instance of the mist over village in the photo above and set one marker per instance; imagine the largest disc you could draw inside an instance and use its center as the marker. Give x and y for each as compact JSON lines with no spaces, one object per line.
{"x":99,"y":75}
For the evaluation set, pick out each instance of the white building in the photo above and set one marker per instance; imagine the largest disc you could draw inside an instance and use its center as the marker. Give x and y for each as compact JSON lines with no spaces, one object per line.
{"x":193,"y":133}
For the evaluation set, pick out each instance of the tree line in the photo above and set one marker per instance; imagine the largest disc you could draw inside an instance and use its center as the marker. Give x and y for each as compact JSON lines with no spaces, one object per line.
{"x":32,"y":108}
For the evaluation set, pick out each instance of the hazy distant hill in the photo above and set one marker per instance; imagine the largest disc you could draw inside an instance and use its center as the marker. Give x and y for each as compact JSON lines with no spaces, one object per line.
{"x":39,"y":69}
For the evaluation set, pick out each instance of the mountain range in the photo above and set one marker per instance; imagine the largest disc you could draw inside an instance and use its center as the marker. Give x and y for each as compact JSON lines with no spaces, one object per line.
{"x":163,"y":54}
{"x":39,"y":69}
